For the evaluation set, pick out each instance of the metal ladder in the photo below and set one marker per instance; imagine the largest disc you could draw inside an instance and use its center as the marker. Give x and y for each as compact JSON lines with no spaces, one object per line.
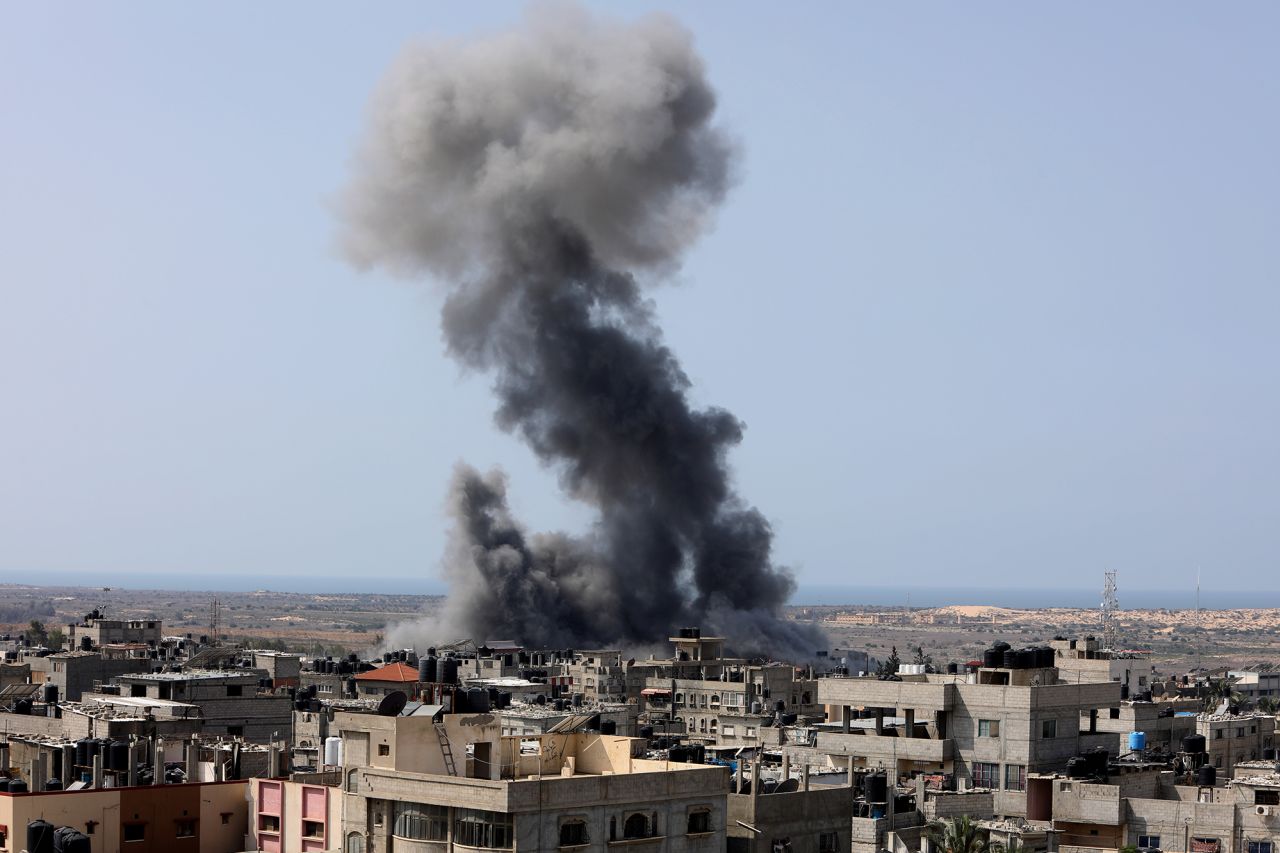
{"x":445,"y":750}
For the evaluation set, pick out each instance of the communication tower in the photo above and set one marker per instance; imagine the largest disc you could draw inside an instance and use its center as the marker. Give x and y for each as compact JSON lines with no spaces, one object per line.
{"x":1109,"y":607}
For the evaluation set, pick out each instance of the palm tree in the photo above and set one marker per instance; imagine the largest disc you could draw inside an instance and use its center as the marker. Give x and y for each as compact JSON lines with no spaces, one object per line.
{"x":1266,"y":704}
{"x":1217,"y":692}
{"x":1013,"y":845}
{"x":958,"y":835}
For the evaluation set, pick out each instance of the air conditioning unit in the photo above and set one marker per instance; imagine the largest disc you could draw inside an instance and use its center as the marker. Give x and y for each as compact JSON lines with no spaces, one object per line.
{"x":1265,"y":811}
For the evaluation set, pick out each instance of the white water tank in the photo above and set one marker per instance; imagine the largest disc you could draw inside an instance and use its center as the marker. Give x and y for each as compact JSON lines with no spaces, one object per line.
{"x":333,"y":751}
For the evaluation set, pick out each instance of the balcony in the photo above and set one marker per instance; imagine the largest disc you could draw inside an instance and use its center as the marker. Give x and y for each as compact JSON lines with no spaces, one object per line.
{"x":890,"y":745}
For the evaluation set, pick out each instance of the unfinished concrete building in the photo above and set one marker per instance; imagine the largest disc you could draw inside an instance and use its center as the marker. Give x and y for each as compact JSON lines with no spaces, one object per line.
{"x":231,"y":702}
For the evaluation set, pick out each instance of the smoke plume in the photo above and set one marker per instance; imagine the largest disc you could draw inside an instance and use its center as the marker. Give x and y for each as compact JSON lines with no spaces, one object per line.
{"x":544,"y":174}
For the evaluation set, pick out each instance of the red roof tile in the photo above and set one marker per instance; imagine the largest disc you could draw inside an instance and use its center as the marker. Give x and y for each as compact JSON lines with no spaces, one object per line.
{"x":399,"y":672}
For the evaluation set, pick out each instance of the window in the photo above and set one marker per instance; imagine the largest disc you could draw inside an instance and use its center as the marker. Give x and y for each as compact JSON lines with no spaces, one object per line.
{"x":268,"y":823}
{"x":751,"y":731}
{"x":4,"y":836}
{"x":384,"y":749}
{"x":1204,"y":845}
{"x":1015,"y":777}
{"x":1266,"y":798}
{"x":135,"y":832}
{"x":185,"y":828}
{"x":476,"y":828}
{"x":1049,"y":728}
{"x":1113,"y":713}
{"x":639,"y":825}
{"x":355,"y":842}
{"x":235,"y":689}
{"x":421,"y":822}
{"x":573,"y":832}
{"x":679,"y":700}
{"x":235,"y":731}
{"x":1259,"y":847}
{"x":988,"y":728}
{"x":699,"y":821}
{"x":986,"y":775}
{"x":1152,"y":841}
{"x":1240,"y":731}
{"x":727,"y":730}
{"x":1217,"y":735}
{"x":828,"y":842}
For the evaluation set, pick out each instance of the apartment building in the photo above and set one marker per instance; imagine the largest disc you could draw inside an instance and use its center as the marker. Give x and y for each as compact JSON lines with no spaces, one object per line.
{"x":419,"y":782}
{"x":96,"y":630}
{"x":1257,"y":681}
{"x":1084,"y":660}
{"x":231,"y":702}
{"x":699,"y":685}
{"x":1234,"y":738}
{"x":990,"y":729}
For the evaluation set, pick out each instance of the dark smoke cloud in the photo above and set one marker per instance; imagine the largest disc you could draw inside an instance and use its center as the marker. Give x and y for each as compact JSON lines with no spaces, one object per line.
{"x":543,"y":173}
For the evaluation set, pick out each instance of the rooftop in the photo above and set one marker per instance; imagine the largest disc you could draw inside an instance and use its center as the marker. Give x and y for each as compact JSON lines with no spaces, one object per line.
{"x":398,"y":672}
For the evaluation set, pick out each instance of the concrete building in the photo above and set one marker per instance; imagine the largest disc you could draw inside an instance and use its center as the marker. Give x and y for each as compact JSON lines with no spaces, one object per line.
{"x":231,"y":702}
{"x":599,"y":675}
{"x":699,"y":684}
{"x":1257,"y":681}
{"x":198,"y":817}
{"x":97,"y":630}
{"x":418,"y":783}
{"x":78,"y":672}
{"x":1164,"y":724}
{"x":1234,"y":738}
{"x":992,"y":729}
{"x":810,"y":819}
{"x":288,"y":815}
{"x":1084,"y":660}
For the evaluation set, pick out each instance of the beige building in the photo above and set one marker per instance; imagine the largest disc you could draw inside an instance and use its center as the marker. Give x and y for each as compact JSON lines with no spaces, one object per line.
{"x":433,"y":782}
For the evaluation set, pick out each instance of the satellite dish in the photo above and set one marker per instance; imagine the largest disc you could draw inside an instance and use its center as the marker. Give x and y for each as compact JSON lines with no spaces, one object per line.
{"x":787,"y":786}
{"x":392,"y":704}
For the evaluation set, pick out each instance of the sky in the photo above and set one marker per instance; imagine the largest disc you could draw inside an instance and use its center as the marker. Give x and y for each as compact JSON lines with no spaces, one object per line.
{"x":995,"y":295}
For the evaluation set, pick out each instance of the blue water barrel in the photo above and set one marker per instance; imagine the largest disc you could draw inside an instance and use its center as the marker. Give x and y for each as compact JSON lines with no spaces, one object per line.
{"x":1137,"y":741}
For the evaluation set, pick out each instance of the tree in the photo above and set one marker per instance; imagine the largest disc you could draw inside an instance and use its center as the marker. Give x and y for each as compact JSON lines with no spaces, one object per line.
{"x":36,"y":634}
{"x":958,"y":835}
{"x":890,"y":666}
{"x":1214,"y":693}
{"x":922,"y":659}
{"x":1266,"y":704}
{"x":57,"y":638}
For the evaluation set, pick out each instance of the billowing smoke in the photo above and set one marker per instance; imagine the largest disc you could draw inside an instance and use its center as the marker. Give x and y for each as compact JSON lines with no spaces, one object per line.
{"x":544,"y":174}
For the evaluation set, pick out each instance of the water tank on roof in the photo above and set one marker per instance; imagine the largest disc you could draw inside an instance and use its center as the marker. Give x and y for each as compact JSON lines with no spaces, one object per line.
{"x":427,"y":669}
{"x":478,"y":700}
{"x":449,"y":671}
{"x":876,"y":788}
{"x":333,"y":751}
{"x":646,"y":732}
{"x":1009,"y":659}
{"x":1078,"y":768}
{"x":70,"y":840}
{"x":50,"y":693}
{"x":1206,"y":776}
{"x":17,"y":786}
{"x":577,"y":700}
{"x":39,"y":837}
{"x":992,"y":658}
{"x":1137,"y":741}
{"x":1193,"y":744}
{"x":54,"y":784}
{"x":608,"y":727}
{"x":118,"y":756}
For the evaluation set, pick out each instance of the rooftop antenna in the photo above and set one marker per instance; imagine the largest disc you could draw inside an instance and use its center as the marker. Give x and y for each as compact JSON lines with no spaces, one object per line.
{"x":1199,"y":627}
{"x":1109,"y":607}
{"x":213,"y":622}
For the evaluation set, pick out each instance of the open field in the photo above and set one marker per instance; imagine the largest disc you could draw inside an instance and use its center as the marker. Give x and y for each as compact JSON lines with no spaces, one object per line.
{"x":332,"y":623}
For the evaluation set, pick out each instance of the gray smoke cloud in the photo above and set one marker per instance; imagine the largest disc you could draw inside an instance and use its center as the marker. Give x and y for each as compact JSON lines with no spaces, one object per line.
{"x":543,"y":174}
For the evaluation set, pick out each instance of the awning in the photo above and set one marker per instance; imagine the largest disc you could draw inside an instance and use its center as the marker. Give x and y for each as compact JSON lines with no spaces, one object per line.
{"x":655,"y":691}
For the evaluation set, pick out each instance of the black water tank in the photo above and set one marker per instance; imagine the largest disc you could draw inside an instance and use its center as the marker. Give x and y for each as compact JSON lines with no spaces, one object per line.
{"x":540,"y":699}
{"x":431,"y":671}
{"x":1078,"y":768}
{"x":1268,"y":754}
{"x":646,"y":732}
{"x":1001,"y":646}
{"x":504,"y":699}
{"x":17,"y":786}
{"x":953,"y":668}
{"x":82,"y":753}
{"x":876,"y":788}
{"x":449,"y":671}
{"x":478,"y":700}
{"x":608,"y":727}
{"x":1097,"y":759}
{"x":50,"y":694}
{"x":54,"y":784}
{"x":1193,"y":744}
{"x":1207,"y":776}
{"x":39,"y":837}
{"x":73,"y":841}
{"x":577,"y":700}
{"x":992,"y":658}
{"x":559,"y":705}
{"x":118,"y":756}
{"x":493,"y":697}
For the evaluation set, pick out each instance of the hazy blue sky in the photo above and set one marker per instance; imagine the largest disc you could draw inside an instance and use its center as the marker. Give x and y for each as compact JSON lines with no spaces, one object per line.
{"x":997,"y":295}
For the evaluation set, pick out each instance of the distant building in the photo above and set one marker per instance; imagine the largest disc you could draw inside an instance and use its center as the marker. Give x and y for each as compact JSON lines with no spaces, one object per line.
{"x":389,"y":679}
{"x":232,"y":702}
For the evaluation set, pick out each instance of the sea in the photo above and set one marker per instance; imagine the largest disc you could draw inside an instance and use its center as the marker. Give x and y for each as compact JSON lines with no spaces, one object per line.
{"x":805,"y":594}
